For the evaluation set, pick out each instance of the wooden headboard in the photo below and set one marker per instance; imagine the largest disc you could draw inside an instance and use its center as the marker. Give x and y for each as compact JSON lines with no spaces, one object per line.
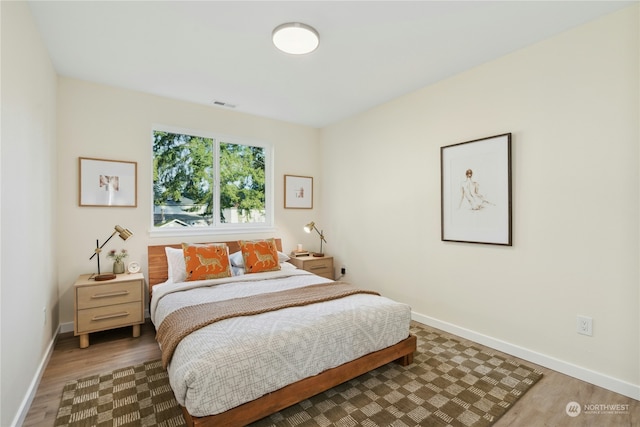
{"x":157,"y":260}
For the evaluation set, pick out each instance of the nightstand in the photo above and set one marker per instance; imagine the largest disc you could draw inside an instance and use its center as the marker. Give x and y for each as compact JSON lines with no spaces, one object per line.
{"x":322,"y":266}
{"x":108,"y":304}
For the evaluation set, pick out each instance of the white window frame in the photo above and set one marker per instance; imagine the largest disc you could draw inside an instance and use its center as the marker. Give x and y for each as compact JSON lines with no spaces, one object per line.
{"x":219,"y":228}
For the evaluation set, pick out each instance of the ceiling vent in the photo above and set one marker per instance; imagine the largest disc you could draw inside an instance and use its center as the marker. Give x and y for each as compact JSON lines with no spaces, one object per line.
{"x":223,"y":104}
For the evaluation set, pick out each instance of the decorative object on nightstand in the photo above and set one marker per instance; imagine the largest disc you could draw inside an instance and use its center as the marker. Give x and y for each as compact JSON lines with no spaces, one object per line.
{"x":118,"y":257}
{"x":298,"y":251}
{"x":312,"y":226}
{"x":114,"y":304}
{"x":322,"y":266}
{"x":133,"y":267}
{"x":297,"y":254}
{"x":124,"y":235}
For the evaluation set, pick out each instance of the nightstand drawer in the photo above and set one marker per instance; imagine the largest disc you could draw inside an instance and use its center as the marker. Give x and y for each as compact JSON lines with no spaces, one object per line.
{"x":320,"y":268}
{"x":112,"y":316}
{"x":108,"y":294}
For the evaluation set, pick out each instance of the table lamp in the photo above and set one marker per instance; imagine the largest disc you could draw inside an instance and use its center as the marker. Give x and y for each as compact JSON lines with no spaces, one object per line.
{"x":312,"y":226}
{"x":124,"y":235}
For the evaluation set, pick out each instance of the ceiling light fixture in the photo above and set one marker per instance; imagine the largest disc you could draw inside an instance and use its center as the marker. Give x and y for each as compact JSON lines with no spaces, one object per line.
{"x":295,"y":38}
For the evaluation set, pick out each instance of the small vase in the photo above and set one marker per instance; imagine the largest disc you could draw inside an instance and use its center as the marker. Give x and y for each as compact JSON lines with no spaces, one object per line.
{"x":118,"y":267}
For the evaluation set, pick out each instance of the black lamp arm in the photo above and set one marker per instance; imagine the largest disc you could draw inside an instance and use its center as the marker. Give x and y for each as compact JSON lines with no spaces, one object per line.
{"x":98,"y":248}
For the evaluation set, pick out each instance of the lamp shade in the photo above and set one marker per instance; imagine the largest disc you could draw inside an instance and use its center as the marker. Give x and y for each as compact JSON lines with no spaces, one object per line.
{"x":123,"y":232}
{"x":295,"y":38}
{"x":309,"y":227}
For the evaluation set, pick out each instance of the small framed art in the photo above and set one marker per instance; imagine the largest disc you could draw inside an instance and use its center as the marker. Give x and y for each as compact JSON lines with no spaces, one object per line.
{"x":476,"y":191}
{"x":109,"y":183}
{"x":298,"y":192}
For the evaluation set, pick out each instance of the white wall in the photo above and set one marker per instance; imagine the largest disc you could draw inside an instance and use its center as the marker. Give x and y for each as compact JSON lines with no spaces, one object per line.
{"x":28,"y":283}
{"x":108,"y":123}
{"x":572,"y":105}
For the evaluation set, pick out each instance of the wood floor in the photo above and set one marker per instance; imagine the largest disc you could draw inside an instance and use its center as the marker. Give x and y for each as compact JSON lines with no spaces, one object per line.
{"x":543,"y":405}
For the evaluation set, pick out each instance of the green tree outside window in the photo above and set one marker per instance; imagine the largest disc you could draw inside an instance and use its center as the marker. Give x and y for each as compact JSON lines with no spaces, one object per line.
{"x":185,"y":175}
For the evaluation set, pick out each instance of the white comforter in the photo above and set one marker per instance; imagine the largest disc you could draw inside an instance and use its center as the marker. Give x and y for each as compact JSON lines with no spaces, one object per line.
{"x":238,"y":360}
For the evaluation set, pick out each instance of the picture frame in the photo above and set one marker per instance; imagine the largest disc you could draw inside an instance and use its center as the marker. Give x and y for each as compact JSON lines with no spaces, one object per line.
{"x":298,"y":192}
{"x":476,"y":191}
{"x":107,"y":183}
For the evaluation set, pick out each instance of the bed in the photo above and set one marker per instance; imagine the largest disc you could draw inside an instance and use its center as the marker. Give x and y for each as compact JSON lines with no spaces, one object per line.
{"x":239,"y":369}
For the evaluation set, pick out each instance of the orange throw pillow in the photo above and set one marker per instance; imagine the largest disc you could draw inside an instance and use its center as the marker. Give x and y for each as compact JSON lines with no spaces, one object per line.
{"x":259,"y":255}
{"x":203,"y":262}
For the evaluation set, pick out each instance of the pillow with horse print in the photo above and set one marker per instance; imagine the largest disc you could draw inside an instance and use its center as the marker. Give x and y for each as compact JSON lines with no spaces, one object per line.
{"x":259,"y":255}
{"x":206,"y":261}
{"x":237,"y":260}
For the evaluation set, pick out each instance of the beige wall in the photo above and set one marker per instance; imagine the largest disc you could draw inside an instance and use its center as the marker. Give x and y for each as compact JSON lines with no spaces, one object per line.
{"x":29,"y":314}
{"x":103,"y":122}
{"x":571,"y":103}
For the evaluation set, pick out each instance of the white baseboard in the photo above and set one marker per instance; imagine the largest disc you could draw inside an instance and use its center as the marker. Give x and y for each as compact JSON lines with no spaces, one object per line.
{"x":592,"y":377}
{"x":35,"y":382}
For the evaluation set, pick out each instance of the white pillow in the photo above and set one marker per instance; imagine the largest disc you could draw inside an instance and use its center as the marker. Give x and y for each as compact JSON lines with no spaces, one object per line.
{"x":283,"y":257}
{"x":237,"y":260}
{"x":177,"y":268}
{"x":287,"y":266}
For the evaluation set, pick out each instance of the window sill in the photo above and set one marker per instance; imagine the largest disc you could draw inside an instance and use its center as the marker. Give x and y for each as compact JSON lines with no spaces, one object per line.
{"x":195,"y":231}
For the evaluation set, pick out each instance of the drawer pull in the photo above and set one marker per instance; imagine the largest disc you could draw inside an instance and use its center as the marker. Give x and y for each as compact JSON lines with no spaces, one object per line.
{"x":319,"y":267}
{"x":111,"y":316}
{"x":110,"y":294}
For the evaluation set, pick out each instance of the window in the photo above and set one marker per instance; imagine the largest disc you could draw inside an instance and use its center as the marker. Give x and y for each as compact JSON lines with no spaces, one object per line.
{"x":205,"y":182}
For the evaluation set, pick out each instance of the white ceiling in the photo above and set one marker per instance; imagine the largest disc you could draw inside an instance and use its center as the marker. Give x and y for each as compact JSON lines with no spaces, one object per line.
{"x":370,"y":51}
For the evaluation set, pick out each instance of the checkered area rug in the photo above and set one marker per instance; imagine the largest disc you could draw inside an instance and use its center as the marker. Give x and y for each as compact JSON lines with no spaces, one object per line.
{"x":450,"y":383}
{"x":135,"y":396}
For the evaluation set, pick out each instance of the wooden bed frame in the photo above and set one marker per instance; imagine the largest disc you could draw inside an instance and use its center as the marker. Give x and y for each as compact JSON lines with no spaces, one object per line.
{"x":268,"y":404}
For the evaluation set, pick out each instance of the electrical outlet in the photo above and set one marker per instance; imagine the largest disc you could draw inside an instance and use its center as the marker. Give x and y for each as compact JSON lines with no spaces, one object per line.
{"x":585,"y":325}
{"x":343,"y":270}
